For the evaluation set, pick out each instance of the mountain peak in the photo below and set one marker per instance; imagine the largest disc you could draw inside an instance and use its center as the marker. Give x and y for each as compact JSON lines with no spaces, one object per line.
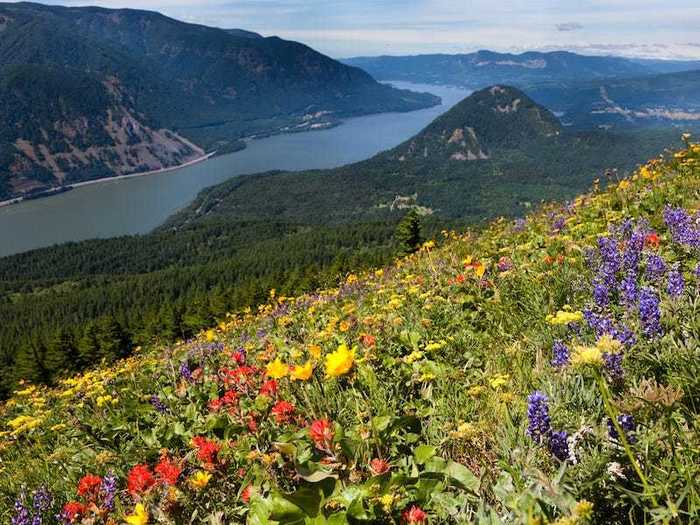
{"x":496,"y":117}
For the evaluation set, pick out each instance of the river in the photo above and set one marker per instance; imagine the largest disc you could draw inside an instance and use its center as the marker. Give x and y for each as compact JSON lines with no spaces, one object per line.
{"x":137,"y":205}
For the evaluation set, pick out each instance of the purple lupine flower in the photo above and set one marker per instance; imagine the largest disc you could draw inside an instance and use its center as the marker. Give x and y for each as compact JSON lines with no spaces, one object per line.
{"x":683,"y":231}
{"x":624,"y":335}
{"x":601,"y":293}
{"x":186,"y":372}
{"x":158,"y":404}
{"x":22,"y":515}
{"x":41,"y":504}
{"x":519,"y":225}
{"x":560,"y":354}
{"x":626,"y":422}
{"x":590,"y":257}
{"x":649,"y":312}
{"x":613,"y":366}
{"x":109,"y":488}
{"x":656,"y":267}
{"x":633,"y":249}
{"x":558,"y":224}
{"x":601,"y":324}
{"x":696,"y":272}
{"x":559,"y":445}
{"x":628,"y":289}
{"x":538,"y":417}
{"x":675,"y":285}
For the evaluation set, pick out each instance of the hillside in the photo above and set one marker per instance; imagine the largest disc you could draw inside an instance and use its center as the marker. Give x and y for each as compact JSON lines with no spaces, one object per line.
{"x":544,"y":370}
{"x":158,"y":92}
{"x":495,"y":153}
{"x":484,"y":68}
{"x":671,"y":99}
{"x":496,"y":150}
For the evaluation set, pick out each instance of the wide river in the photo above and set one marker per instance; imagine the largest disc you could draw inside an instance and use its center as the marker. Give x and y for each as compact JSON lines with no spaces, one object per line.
{"x":139,"y":204}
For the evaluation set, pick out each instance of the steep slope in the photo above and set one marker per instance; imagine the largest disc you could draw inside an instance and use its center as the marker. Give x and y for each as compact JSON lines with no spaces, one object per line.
{"x":544,"y":370}
{"x":167,"y":78}
{"x":484,"y":68}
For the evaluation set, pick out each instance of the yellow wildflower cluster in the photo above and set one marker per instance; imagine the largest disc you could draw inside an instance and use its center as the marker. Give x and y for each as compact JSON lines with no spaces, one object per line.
{"x":565,"y":316}
{"x":340,"y":362}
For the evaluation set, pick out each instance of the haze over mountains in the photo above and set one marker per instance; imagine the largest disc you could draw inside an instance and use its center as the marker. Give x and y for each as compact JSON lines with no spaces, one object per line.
{"x":89,"y":92}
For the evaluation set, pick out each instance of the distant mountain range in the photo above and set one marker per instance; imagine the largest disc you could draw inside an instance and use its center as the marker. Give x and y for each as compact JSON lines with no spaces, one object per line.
{"x":586,"y":91}
{"x":484,"y":68}
{"x":89,"y":92}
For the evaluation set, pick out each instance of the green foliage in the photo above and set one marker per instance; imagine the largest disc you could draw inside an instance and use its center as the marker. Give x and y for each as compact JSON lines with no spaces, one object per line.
{"x":408,"y":233}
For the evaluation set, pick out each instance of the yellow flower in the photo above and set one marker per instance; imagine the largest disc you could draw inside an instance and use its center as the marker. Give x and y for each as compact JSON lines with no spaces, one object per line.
{"x":210,"y":335}
{"x":587,"y":355}
{"x":565,"y":316}
{"x":475,"y":391}
{"x":199,"y":479}
{"x":624,"y":184}
{"x":315,"y":351}
{"x":339,"y":362}
{"x":303,"y":372}
{"x":344,"y":326}
{"x":583,"y":509}
{"x":387,"y":501}
{"x":499,"y":380}
{"x":609,"y":345}
{"x":139,"y":517}
{"x":276,"y":369}
{"x":413,"y":357}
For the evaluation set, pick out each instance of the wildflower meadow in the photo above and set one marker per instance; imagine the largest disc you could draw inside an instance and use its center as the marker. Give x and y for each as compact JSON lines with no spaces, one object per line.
{"x":540,"y":371}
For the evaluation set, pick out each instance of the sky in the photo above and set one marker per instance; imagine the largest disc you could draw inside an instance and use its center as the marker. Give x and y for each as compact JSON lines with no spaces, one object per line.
{"x":345,"y":28}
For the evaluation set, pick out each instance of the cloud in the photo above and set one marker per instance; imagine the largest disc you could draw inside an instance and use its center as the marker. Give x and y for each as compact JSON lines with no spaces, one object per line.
{"x":569,"y":26}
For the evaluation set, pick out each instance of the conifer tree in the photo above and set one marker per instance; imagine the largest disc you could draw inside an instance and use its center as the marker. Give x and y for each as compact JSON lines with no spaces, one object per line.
{"x":408,"y":232}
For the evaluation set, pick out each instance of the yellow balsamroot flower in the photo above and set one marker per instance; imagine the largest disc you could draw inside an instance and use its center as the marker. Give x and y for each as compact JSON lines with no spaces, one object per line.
{"x":139,"y":517}
{"x":587,"y":356}
{"x":303,"y":372}
{"x":340,"y":362}
{"x":276,"y":369}
{"x":199,"y":480}
{"x":564,"y":317}
{"x":624,"y":184}
{"x":210,"y":335}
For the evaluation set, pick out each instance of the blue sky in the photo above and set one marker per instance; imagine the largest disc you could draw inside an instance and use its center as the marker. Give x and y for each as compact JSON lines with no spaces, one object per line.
{"x":343,"y":28}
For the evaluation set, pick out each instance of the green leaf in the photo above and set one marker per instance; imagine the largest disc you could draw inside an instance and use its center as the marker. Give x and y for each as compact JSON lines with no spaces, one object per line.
{"x":462,"y":475}
{"x":282,"y":509}
{"x":308,"y":499}
{"x":423,"y":453}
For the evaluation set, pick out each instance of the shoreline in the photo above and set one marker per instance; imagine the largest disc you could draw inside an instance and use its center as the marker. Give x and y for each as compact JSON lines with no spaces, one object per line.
{"x":192,"y":162}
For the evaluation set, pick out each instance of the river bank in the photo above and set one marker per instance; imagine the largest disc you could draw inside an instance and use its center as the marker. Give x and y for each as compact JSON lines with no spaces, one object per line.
{"x":52,"y":191}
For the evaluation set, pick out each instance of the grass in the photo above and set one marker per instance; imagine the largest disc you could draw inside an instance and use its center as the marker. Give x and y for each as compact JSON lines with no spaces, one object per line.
{"x":421,"y":392}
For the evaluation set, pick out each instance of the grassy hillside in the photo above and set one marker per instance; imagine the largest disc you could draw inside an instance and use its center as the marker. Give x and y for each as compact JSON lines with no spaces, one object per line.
{"x":541,"y":371}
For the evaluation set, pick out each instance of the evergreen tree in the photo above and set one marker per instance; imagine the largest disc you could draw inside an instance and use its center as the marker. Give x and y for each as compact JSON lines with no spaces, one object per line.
{"x":408,"y":233}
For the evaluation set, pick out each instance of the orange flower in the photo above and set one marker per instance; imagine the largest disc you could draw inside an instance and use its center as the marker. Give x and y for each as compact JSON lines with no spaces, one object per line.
{"x":89,"y":485}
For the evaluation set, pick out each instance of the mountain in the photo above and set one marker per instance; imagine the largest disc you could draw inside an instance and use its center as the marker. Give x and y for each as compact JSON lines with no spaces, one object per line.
{"x":157,"y":92}
{"x":483,"y":68}
{"x":656,"y":100}
{"x":496,"y":150}
{"x":538,"y":371}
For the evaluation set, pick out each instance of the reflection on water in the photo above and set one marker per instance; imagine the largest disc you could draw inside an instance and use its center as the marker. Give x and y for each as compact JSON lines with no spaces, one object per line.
{"x":140,"y":204}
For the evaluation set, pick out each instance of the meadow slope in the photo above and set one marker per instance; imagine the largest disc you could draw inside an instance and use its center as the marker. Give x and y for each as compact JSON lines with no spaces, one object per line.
{"x":545,"y":370}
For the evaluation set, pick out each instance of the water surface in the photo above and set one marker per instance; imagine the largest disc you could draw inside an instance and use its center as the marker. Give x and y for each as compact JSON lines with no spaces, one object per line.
{"x":138,"y":205}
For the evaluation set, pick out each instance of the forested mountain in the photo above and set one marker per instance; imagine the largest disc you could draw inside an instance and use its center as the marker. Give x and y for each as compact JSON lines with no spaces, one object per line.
{"x":484,"y":68}
{"x":657,"y":100}
{"x":89,"y":92}
{"x":495,"y":153}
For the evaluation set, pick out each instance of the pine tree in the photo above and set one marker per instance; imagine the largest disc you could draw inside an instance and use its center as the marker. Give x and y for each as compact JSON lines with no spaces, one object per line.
{"x":408,"y":232}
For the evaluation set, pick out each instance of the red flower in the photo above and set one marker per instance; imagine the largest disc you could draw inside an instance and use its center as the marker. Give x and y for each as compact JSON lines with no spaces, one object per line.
{"x":73,"y":510}
{"x":252,"y":424}
{"x":89,"y":486}
{"x":282,"y":411}
{"x":652,"y":240}
{"x":269,"y":388}
{"x":414,"y":515}
{"x":460,"y":278}
{"x":379,"y":466}
{"x":168,"y":471}
{"x":321,"y":432}
{"x":140,"y":479}
{"x":368,"y":340}
{"x":228,"y":399}
{"x":206,"y":449}
{"x":247,"y":493}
